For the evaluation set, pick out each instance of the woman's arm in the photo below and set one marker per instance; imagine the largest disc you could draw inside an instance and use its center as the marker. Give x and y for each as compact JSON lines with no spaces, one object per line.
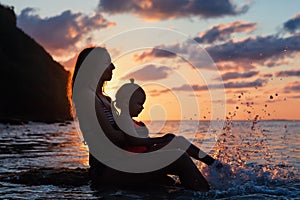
{"x":116,"y":136}
{"x":122,"y":139}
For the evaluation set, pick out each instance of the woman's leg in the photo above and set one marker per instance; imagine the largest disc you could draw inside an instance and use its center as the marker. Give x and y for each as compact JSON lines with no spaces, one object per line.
{"x":194,"y":151}
{"x":182,"y":143}
{"x":189,"y":175}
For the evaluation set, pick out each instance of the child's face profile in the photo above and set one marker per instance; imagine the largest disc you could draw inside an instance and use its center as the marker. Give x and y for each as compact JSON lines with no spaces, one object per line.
{"x":136,"y":103}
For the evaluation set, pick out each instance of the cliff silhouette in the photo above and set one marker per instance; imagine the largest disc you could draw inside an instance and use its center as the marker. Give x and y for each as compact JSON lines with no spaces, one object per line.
{"x":33,"y":86}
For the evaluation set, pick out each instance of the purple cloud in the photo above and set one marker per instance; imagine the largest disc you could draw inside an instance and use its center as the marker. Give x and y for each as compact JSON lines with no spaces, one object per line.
{"x":258,"y":49}
{"x":60,"y":32}
{"x":155,"y":53}
{"x":149,"y":73}
{"x":268,"y":75}
{"x":292,"y":87}
{"x":228,"y":85}
{"x":167,"y":9}
{"x":268,"y":51}
{"x":296,"y":97}
{"x":288,"y":73}
{"x":223,"y":32}
{"x":236,"y":75}
{"x":244,"y":84}
{"x":292,"y":25}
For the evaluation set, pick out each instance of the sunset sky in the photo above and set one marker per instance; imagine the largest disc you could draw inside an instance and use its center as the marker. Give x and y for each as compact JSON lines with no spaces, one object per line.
{"x":246,"y":59}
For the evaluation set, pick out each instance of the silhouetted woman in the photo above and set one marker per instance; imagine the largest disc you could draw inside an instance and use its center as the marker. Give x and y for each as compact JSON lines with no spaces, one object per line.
{"x":100,"y":173}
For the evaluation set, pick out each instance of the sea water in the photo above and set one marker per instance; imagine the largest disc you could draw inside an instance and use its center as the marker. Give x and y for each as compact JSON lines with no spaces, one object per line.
{"x":260,"y":161}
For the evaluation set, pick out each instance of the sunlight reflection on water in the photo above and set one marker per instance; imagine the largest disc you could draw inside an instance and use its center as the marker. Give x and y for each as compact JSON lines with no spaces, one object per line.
{"x":259,"y":160}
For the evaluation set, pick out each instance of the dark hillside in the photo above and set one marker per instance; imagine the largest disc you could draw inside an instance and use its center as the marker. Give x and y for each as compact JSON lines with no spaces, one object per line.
{"x":33,"y":86}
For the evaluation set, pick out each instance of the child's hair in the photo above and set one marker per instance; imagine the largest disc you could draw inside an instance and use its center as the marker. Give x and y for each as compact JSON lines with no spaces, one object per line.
{"x":124,"y":94}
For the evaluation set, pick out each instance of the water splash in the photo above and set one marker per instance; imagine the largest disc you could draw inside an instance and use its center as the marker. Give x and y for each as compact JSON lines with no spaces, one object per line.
{"x":248,"y":162}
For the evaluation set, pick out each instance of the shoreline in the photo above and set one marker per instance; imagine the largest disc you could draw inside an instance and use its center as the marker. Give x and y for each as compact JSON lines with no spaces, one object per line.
{"x":18,"y":121}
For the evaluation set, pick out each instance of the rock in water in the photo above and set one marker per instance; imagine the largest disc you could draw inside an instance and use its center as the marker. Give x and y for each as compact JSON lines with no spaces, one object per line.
{"x":49,"y":176}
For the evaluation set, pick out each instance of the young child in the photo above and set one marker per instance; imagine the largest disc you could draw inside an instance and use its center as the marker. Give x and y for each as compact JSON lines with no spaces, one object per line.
{"x":130,"y":99}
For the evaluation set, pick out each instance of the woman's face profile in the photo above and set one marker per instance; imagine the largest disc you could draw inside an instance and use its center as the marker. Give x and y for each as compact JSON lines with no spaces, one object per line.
{"x":107,"y":74}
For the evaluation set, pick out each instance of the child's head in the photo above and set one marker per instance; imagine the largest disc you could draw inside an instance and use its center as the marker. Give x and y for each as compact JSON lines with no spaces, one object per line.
{"x":130,"y":98}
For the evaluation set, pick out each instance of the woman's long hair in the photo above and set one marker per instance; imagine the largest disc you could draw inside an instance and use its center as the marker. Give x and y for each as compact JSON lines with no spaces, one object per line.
{"x":82,"y":55}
